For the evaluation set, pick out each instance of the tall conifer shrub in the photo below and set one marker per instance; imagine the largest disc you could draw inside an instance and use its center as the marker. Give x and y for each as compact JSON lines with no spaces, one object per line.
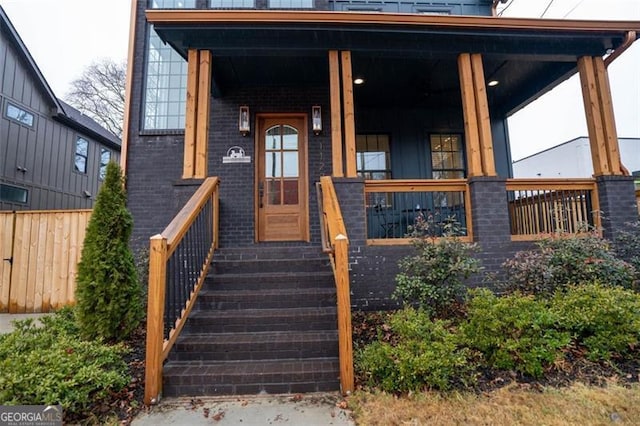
{"x":109,"y":296}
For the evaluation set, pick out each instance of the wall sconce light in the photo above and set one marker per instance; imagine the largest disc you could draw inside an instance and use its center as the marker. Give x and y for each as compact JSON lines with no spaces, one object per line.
{"x":316,"y":119}
{"x":243,"y":123}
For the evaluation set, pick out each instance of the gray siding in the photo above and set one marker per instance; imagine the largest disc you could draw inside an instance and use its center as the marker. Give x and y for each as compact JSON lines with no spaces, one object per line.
{"x":41,"y":158}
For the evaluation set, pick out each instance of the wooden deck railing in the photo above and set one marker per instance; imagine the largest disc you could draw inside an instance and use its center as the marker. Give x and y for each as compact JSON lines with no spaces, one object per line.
{"x":336,"y":245}
{"x":539,"y":207}
{"x":393,"y":206}
{"x":179,"y":260}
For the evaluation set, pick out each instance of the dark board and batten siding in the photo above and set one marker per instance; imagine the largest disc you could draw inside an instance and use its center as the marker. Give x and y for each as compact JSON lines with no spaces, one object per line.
{"x":40,"y":158}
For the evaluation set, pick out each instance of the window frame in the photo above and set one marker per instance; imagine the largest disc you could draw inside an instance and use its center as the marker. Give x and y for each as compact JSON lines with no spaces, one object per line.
{"x":461,"y":151}
{"x":361,"y":172}
{"x":85,"y":156}
{"x":10,"y":104}
{"x":312,"y":6}
{"x":8,"y":185}
{"x":103,"y":166}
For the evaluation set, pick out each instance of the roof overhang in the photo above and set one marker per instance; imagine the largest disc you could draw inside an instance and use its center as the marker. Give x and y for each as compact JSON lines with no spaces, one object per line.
{"x":259,"y":33}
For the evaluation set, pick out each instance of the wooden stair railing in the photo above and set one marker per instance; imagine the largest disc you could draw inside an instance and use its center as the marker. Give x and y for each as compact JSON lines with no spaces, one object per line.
{"x":179,"y":260}
{"x":336,"y":244}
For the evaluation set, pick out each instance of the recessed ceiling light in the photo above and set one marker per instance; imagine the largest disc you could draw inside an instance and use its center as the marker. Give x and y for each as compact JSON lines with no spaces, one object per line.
{"x":493,"y":83}
{"x":358,"y":81}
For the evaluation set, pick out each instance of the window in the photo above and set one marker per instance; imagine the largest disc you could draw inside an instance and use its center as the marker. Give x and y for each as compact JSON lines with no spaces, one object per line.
{"x":232,"y":4}
{"x":172,"y":4}
{"x":105,"y":157}
{"x":19,"y":115}
{"x":82,"y":150}
{"x":166,"y":86}
{"x":13,"y":194}
{"x":290,"y":4}
{"x":447,"y":157}
{"x":372,"y":156}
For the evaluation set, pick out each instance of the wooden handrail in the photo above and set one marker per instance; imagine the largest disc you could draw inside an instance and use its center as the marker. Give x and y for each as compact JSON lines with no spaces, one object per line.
{"x":414,"y":185}
{"x":339,"y":254}
{"x":550,"y":184}
{"x":161,"y":247}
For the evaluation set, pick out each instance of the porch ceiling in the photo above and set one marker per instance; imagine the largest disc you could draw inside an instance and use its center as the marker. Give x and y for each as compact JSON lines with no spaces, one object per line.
{"x":403,"y":62}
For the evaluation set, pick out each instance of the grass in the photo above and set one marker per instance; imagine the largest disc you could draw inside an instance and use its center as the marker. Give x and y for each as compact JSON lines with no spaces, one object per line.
{"x":511,"y":405}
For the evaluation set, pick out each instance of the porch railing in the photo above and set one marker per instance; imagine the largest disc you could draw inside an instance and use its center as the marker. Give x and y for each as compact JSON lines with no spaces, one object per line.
{"x":394,"y":206}
{"x":336,"y":244}
{"x":179,"y":260}
{"x":539,"y":207}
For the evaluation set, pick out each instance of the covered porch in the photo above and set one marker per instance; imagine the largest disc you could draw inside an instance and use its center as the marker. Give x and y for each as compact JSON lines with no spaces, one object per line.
{"x":427,"y":119}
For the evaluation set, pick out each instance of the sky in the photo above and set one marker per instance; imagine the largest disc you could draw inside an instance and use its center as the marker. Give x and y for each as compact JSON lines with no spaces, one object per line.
{"x":65,"y":36}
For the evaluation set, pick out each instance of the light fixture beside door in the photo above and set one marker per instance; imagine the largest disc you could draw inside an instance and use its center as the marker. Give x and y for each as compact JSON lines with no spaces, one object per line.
{"x":244,"y":125}
{"x":316,"y":119}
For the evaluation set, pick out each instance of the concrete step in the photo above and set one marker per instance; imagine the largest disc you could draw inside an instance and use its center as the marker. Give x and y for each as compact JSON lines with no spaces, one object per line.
{"x":269,"y":280}
{"x":262,"y":266}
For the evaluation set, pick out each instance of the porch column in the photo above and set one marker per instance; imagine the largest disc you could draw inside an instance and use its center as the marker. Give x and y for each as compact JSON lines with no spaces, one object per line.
{"x":603,"y":138}
{"x":336,"y":114}
{"x":196,"y":133}
{"x":342,"y":114}
{"x":477,"y":123}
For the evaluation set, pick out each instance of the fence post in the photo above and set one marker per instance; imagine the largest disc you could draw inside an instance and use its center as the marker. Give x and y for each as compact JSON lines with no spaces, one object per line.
{"x":344,"y":314}
{"x":216,"y":216}
{"x":155,"y":318}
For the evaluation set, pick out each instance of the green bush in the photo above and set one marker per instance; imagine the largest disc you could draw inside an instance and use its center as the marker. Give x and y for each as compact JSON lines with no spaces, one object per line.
{"x":562,"y":261}
{"x":108,"y":292}
{"x":425,"y":355}
{"x":51,"y":365}
{"x":513,"y":332}
{"x":433,"y":278}
{"x":605,"y":320}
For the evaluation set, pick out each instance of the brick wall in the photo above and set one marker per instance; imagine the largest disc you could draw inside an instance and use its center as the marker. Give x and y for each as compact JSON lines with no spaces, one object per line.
{"x":617,"y":203}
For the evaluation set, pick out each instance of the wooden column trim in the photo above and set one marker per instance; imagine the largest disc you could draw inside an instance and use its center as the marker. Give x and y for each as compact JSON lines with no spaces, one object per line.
{"x":472,"y":138}
{"x":202,"y":116}
{"x":482,"y":114}
{"x":336,"y":114}
{"x":193,"y":67}
{"x":349,"y":118}
{"x":608,"y":117}
{"x":594,"y":116}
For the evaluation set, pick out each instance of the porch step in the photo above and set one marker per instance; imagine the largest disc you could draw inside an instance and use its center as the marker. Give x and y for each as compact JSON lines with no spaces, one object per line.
{"x":187,"y":378}
{"x":266,"y":299}
{"x":258,"y":320}
{"x":270,"y":280}
{"x":264,"y":321}
{"x":256,"y":346}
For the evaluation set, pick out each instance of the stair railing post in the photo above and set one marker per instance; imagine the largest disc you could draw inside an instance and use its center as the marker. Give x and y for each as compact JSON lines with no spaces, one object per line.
{"x":216,"y":216}
{"x":345,"y":343}
{"x":155,"y":318}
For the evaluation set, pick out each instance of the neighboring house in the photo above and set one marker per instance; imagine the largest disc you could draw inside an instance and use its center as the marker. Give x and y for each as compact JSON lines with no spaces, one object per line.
{"x":51,"y":155}
{"x":573,"y":159}
{"x":405,"y":111}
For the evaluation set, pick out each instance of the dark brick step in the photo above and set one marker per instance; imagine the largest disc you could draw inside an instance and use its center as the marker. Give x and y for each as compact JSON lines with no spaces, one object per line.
{"x":270,"y":280}
{"x":262,"y":266}
{"x":250,"y":377}
{"x":256,"y":346}
{"x":266,"y":251}
{"x":253,"y":320}
{"x":266,"y":299}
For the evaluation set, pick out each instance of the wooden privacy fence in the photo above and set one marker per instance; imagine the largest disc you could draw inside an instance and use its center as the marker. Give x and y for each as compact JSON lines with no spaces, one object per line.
{"x":40,"y":251}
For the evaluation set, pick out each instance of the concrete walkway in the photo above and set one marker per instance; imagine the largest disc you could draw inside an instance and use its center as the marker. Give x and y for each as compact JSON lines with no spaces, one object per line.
{"x":6,"y":320}
{"x":316,"y":409}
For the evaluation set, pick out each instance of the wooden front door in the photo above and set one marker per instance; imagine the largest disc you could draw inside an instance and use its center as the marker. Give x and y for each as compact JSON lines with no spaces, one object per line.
{"x":281,"y":178}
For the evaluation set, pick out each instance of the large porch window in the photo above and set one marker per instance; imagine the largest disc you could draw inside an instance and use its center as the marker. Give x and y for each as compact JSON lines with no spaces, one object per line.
{"x":447,"y":156}
{"x":372,"y":156}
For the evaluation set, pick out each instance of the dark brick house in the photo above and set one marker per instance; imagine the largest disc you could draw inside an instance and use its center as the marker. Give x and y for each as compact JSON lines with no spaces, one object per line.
{"x":51,"y":155}
{"x":404,"y":104}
